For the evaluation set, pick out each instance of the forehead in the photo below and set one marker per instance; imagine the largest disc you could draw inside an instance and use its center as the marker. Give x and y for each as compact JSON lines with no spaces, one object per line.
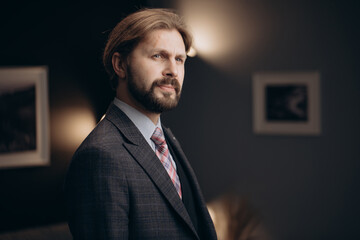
{"x":165,"y":39}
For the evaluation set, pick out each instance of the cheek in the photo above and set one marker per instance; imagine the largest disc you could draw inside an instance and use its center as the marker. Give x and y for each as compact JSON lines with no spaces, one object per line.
{"x":150,"y":71}
{"x":143,"y":73}
{"x":181,"y":76}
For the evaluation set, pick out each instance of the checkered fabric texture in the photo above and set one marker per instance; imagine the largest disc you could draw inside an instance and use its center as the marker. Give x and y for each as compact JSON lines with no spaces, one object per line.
{"x":162,"y":151}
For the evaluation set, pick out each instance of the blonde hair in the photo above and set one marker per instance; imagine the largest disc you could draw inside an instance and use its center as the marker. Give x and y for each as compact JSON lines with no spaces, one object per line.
{"x":132,"y":29}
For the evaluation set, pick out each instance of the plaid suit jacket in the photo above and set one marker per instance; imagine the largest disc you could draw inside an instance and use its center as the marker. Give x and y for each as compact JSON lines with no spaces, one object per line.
{"x":116,"y":188}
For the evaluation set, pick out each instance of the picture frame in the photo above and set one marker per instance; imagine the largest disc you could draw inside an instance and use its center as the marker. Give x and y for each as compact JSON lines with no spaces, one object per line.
{"x":24,"y":125}
{"x":286,"y":103}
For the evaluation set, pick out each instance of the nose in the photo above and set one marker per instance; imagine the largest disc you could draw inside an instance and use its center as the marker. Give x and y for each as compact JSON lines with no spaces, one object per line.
{"x":171,"y":69}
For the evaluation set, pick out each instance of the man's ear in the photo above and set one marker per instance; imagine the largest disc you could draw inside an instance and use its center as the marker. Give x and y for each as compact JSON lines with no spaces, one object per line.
{"x":118,"y":65}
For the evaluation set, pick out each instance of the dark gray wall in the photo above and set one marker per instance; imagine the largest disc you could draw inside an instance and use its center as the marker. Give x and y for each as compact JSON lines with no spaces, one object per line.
{"x":68,"y":38}
{"x":304,"y":187}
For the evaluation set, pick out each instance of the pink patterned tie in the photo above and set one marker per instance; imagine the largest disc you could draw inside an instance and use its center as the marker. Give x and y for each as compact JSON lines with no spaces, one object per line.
{"x":162,"y":151}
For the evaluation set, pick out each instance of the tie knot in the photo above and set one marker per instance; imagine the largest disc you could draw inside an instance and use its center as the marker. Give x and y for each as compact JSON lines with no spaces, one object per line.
{"x":158,"y":137}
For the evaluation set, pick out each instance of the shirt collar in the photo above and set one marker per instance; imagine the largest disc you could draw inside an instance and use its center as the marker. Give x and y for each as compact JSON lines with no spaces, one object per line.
{"x":141,"y":121}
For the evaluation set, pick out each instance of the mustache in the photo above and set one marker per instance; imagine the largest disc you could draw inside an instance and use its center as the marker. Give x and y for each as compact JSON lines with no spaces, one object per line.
{"x":168,"y":81}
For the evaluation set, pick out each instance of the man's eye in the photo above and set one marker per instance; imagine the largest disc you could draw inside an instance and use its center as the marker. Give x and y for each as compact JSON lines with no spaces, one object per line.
{"x":156,"y":56}
{"x":179,"y":60}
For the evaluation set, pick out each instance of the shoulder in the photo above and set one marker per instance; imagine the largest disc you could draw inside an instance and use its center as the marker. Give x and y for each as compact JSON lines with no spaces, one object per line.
{"x":100,"y":147}
{"x":100,"y":157}
{"x":103,"y":135}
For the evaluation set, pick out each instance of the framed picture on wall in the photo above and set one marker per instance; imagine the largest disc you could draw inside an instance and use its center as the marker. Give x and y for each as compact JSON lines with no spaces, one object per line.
{"x":24,"y":121}
{"x":286,"y":103}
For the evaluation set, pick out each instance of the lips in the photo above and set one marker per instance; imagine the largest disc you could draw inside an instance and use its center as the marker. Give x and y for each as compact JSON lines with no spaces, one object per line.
{"x":167,"y":87}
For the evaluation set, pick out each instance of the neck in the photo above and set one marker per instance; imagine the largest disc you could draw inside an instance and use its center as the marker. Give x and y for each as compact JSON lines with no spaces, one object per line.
{"x":129,"y":100}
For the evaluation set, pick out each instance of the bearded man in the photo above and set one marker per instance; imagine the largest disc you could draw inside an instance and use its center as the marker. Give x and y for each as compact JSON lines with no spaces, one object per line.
{"x":130,"y":179}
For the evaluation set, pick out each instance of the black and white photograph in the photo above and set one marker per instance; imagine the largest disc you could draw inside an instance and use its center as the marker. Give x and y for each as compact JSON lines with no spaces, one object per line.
{"x":18,"y":119}
{"x":286,"y":103}
{"x":24,"y":117}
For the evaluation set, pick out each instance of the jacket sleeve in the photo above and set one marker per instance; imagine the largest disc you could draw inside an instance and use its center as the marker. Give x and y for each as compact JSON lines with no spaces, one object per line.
{"x":97,"y":196}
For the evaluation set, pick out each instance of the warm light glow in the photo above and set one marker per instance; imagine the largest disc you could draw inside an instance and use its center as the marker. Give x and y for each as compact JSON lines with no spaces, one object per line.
{"x":212,"y":214}
{"x":192,"y":52}
{"x":211,"y":24}
{"x":219,"y":219}
{"x":207,"y":42}
{"x":71,"y":126}
{"x":222,"y":30}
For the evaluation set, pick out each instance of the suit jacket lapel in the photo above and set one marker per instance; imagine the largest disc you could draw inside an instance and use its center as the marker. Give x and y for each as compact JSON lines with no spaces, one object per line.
{"x":192,"y":178}
{"x":145,"y":156}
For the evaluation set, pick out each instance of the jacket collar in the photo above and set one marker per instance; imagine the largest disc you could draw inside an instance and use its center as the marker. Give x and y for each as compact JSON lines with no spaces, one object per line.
{"x":147,"y":159}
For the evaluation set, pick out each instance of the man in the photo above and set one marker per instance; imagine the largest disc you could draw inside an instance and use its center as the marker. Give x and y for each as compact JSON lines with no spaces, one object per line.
{"x":125,"y":181}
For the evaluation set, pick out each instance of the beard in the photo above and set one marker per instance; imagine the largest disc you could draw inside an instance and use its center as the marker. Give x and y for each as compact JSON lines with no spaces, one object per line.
{"x":147,"y":97}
